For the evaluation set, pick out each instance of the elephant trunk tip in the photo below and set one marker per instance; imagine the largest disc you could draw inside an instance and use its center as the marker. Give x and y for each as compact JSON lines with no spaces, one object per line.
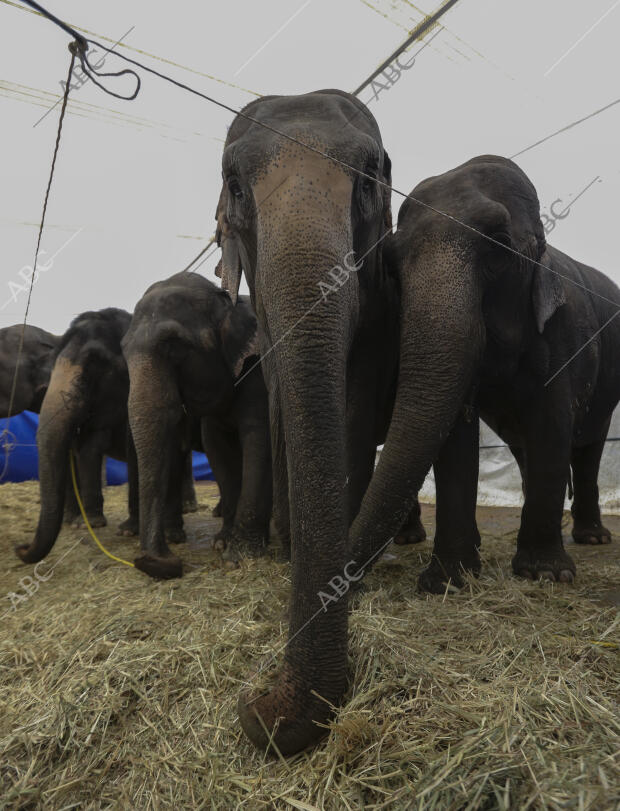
{"x":29,"y":553}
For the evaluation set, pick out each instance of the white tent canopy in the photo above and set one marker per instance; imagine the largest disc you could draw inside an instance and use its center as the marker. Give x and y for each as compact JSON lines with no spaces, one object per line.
{"x":499,"y":483}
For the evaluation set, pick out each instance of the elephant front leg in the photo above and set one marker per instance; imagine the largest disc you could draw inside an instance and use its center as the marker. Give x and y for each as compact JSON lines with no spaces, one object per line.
{"x":540,"y":550}
{"x":131,"y":526}
{"x":587,"y":525}
{"x":250,"y":533}
{"x":190,"y":505}
{"x":224,"y":454}
{"x":457,"y":539}
{"x":72,"y":514}
{"x":89,"y":459}
{"x":173,"y":514}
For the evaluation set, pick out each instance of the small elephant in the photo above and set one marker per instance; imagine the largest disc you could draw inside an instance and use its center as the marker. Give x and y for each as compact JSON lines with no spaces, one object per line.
{"x":35,"y":367}
{"x":498,"y":323}
{"x":192,"y":354}
{"x":84,"y":410}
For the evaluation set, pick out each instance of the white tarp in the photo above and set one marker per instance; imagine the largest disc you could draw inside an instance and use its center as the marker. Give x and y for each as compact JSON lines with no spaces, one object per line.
{"x":499,"y":483}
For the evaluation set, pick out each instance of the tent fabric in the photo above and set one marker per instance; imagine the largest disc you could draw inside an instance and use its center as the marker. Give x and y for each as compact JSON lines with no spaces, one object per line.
{"x":499,"y":482}
{"x":19,"y":460}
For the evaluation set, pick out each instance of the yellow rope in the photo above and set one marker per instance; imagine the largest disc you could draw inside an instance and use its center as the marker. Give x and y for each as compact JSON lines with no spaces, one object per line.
{"x":86,"y":521}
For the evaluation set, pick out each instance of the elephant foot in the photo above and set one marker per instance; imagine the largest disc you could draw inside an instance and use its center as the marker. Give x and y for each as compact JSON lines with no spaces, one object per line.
{"x":70,"y":518}
{"x":593,"y":533}
{"x":160,"y":568}
{"x":552,"y":564}
{"x":238,"y":548}
{"x":217,"y":510}
{"x":447,"y":572}
{"x":222,"y":538}
{"x":275,"y":724}
{"x":412,"y":531}
{"x":175,"y":535}
{"x":282,"y":552}
{"x":129,"y":528}
{"x":94,"y":520}
{"x":190,"y":506}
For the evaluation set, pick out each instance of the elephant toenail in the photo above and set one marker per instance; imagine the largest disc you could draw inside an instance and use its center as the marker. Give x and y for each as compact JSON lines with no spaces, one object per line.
{"x":566,"y":576}
{"x":546,"y":574}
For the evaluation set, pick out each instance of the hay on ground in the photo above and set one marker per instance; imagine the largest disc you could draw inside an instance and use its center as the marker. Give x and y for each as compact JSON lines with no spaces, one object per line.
{"x":118,"y":691}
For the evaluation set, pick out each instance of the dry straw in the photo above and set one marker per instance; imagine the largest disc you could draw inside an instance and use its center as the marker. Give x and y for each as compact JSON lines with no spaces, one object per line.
{"x":120,"y":692}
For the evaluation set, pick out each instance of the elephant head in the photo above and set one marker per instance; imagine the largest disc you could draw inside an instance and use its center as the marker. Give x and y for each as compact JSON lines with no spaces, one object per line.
{"x":89,"y":374}
{"x":466,"y":251}
{"x":37,"y":356}
{"x":185,"y":347}
{"x":302,"y":213}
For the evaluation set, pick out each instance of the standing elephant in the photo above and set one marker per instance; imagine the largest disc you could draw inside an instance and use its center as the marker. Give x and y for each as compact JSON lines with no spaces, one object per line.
{"x":35,"y":367}
{"x":191,"y":355}
{"x":308,"y":233}
{"x":84,"y":409}
{"x":496,"y":322}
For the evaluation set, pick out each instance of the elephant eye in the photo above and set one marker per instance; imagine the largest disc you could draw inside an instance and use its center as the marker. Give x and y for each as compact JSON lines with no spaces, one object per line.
{"x":503,"y":237}
{"x":368,"y":182}
{"x":234,"y":187}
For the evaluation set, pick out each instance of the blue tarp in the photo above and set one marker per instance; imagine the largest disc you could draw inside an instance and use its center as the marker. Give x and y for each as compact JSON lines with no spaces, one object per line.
{"x":19,"y":460}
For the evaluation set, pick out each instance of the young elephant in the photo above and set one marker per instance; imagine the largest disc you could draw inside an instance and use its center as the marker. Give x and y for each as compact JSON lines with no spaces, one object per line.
{"x":85,"y":410}
{"x":191,"y":353}
{"x":35,"y":367}
{"x":496,"y":322}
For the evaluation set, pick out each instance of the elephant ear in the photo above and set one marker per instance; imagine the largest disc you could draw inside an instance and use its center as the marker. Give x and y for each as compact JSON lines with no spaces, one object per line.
{"x":387,"y":194}
{"x":527,"y":236}
{"x":547,"y":295}
{"x":547,"y":287}
{"x":239,"y":334}
{"x":229,"y":267}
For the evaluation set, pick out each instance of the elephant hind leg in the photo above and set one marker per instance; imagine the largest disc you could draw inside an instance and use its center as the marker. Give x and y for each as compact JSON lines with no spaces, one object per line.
{"x":587,"y":525}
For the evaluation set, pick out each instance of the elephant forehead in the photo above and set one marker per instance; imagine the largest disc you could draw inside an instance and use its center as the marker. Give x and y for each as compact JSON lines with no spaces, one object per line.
{"x":296,"y":173}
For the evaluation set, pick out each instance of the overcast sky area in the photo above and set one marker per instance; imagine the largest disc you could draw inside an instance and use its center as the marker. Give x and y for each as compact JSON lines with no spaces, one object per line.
{"x":137,"y":182}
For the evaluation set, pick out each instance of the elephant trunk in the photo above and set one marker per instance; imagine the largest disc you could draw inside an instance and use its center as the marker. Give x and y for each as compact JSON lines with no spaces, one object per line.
{"x":61,"y":412}
{"x":442,"y":340}
{"x":155,"y":411}
{"x":310,"y":337}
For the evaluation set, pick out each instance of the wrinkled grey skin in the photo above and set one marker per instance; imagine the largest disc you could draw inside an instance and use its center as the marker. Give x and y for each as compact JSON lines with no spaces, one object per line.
{"x":85,"y":410}
{"x":35,"y":367}
{"x":287,"y":217}
{"x":485,"y":332}
{"x":189,"y":352}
